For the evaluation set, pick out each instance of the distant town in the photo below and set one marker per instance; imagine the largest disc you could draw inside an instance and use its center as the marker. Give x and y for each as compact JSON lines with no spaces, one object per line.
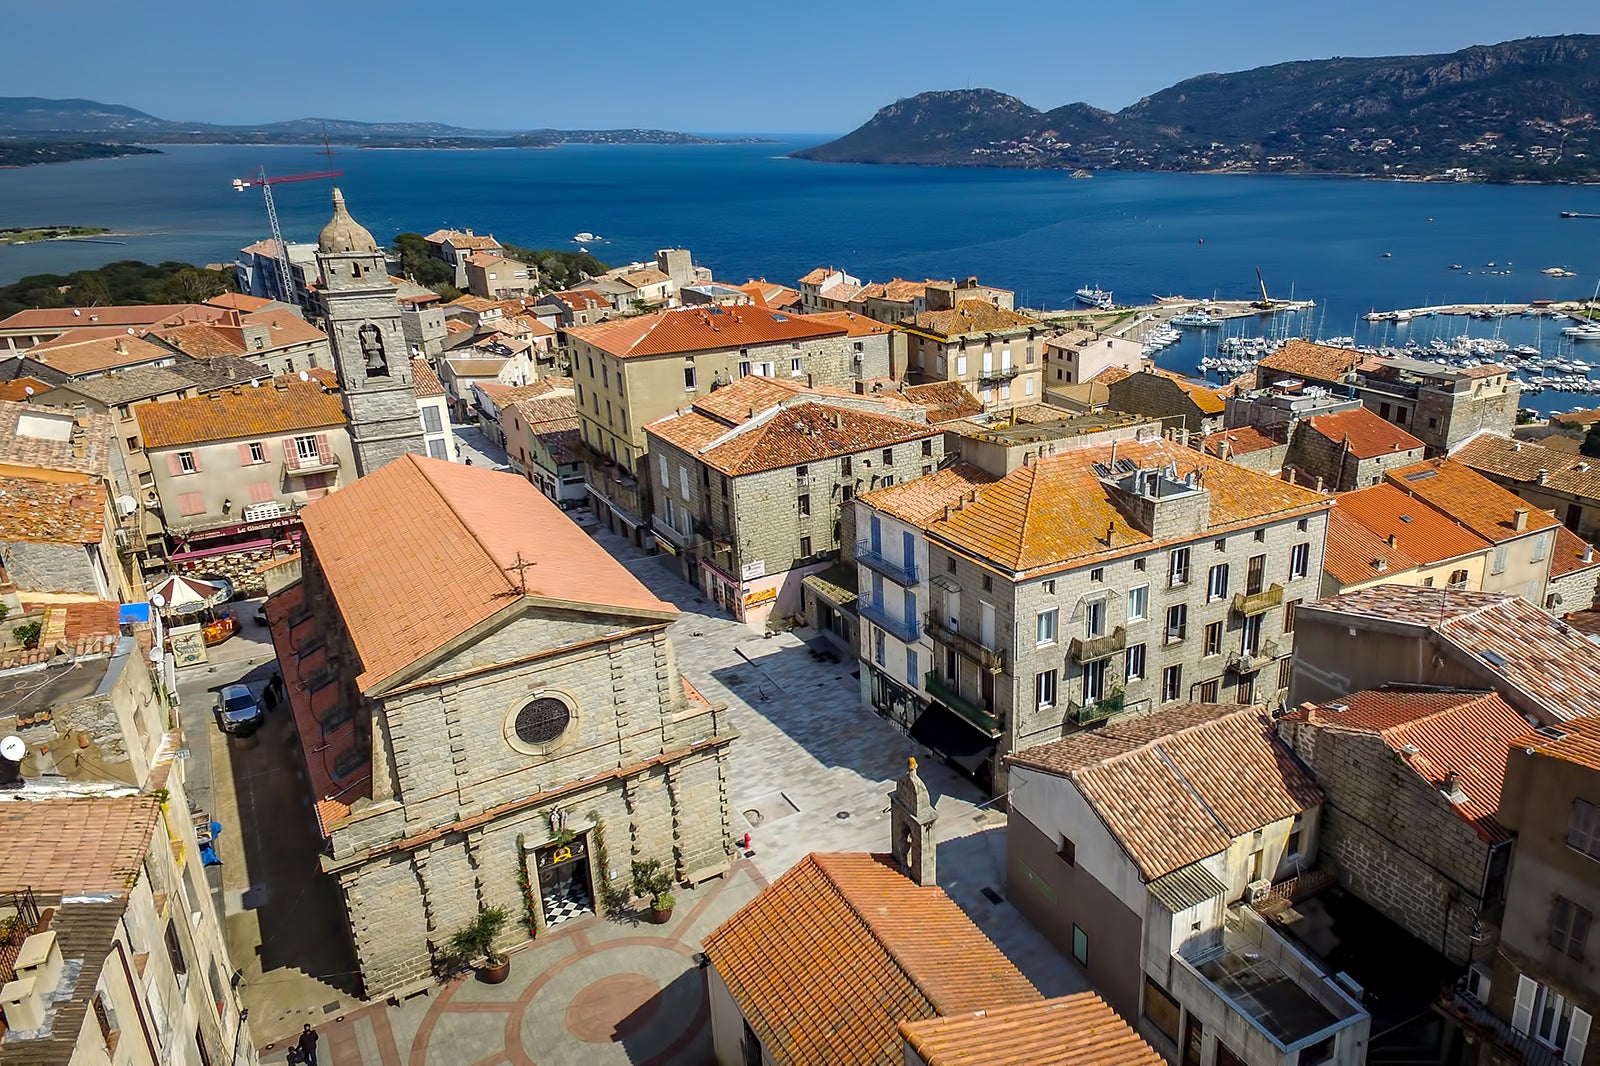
{"x":438,"y":650}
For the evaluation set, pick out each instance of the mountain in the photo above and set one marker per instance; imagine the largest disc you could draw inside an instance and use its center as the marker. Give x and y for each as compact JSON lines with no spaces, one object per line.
{"x":1519,"y":110}
{"x":32,"y":120}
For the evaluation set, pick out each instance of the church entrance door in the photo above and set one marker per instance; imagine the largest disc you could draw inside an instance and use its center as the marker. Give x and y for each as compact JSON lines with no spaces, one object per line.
{"x":564,"y":887}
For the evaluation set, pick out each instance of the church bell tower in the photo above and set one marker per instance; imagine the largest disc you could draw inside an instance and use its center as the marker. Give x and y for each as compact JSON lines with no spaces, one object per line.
{"x":369,"y":346}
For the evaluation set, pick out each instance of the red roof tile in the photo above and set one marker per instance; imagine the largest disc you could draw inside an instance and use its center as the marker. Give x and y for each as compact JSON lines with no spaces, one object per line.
{"x":1572,"y":554}
{"x":1315,"y":362}
{"x":1080,"y":1030}
{"x":75,"y":846}
{"x":243,"y":411}
{"x":786,"y":436}
{"x":1531,"y":463}
{"x":424,"y":382}
{"x":693,"y":329}
{"x":52,"y":512}
{"x":1420,"y":532}
{"x":1367,"y":435}
{"x":1457,"y":490}
{"x":1354,"y":553}
{"x":1242,"y":440}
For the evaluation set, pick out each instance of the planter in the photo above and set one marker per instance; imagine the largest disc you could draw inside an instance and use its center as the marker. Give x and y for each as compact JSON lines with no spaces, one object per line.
{"x":661,"y":915}
{"x":495,"y":974}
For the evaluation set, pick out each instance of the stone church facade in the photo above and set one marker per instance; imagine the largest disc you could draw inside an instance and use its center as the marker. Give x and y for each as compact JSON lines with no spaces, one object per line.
{"x":509,"y":731}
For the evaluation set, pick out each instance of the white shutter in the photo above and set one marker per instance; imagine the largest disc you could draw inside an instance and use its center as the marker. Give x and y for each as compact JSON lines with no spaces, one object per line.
{"x":1522,"y":1011}
{"x":683,"y":483}
{"x":1577,"y":1038}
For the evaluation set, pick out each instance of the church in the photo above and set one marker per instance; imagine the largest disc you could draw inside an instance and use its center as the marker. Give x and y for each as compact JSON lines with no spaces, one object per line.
{"x":489,"y":707}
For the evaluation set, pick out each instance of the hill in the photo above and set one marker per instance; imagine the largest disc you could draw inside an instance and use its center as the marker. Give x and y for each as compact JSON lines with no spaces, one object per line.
{"x":1521,"y":110}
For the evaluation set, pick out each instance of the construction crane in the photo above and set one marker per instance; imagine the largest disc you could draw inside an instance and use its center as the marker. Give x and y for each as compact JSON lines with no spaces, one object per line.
{"x":1265,"y":303}
{"x":285,"y":275}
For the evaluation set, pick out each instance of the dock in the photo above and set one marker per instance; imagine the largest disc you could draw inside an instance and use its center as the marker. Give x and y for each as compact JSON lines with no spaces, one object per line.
{"x":1123,"y":320}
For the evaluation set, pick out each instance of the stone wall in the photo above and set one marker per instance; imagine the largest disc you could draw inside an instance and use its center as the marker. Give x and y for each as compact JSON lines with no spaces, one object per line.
{"x":1576,"y":591}
{"x":40,"y":567}
{"x":1444,"y":419}
{"x":1156,"y":396}
{"x":1314,"y":455}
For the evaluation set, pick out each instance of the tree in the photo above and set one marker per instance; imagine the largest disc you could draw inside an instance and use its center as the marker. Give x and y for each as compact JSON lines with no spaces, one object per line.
{"x":192,"y":285}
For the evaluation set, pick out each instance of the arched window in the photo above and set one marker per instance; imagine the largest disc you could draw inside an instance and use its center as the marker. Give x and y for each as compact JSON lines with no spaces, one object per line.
{"x":355,"y":270}
{"x":372,"y":351}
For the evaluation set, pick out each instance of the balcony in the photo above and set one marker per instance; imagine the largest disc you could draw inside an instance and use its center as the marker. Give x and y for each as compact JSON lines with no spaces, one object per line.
{"x":720,"y":539}
{"x":1098,"y":711}
{"x":946,"y":693}
{"x":1249,"y":662}
{"x":297,"y":465}
{"x":996,"y":377}
{"x":907,"y":573}
{"x":1497,"y":1032}
{"x":905,"y":630}
{"x":1253,"y":603}
{"x":985,"y":656}
{"x":1088,"y":649}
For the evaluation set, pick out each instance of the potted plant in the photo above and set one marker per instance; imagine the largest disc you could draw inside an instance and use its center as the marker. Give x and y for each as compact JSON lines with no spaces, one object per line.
{"x":476,"y":940}
{"x":27,"y":634}
{"x":651,"y":881}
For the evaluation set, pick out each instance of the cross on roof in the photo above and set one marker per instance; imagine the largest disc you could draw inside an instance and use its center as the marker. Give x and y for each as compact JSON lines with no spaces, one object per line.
{"x":522,"y":567}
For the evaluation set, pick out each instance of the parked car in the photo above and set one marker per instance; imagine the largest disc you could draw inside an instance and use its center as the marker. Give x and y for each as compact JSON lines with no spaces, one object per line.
{"x":238,"y":710}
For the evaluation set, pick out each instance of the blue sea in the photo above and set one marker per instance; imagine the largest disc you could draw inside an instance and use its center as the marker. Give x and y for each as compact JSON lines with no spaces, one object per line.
{"x":747,"y":211}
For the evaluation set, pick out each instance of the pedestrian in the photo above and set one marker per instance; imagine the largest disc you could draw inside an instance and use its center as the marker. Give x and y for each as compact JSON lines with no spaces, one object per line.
{"x":308,"y":1045}
{"x":468,"y":460}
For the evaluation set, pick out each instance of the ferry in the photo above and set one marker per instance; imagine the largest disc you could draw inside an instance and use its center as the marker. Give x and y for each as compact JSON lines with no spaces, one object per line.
{"x":1196,"y":318}
{"x":1094,"y":296}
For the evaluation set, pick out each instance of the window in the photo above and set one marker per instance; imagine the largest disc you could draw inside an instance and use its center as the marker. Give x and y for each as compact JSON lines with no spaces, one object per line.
{"x":191,"y":503}
{"x":1217,"y":583}
{"x":1171,"y":682}
{"x":1213,"y":639}
{"x":437,"y":450}
{"x":1538,"y":549}
{"x":927,"y":447}
{"x":1098,"y":574}
{"x":175,"y":951}
{"x":1178,"y":568}
{"x":805,"y":547}
{"x":1569,"y":926}
{"x":1162,"y":1010}
{"x":750,"y":1047}
{"x":1499,"y":560}
{"x":1068,"y":852}
{"x":132,"y":443}
{"x":744,"y":368}
{"x":1094,"y":618}
{"x":950,"y":566}
{"x":1290,"y":609}
{"x":988,"y":583}
{"x":1303,"y":525}
{"x":1138,"y":564}
{"x":766,"y":369}
{"x":1299,"y":560}
{"x":305,"y":449}
{"x":1138,"y":603}
{"x":1255,"y":576}
{"x":888,"y":456}
{"x":691,"y":380}
{"x":1261,"y":536}
{"x":1210,"y":690}
{"x":123,"y":412}
{"x":961,"y":366}
{"x":1220,"y":544}
{"x":1583,"y":828}
{"x":1135,"y":664}
{"x":844,"y":467}
{"x":911,"y":667}
{"x":1177,"y":622}
{"x":1047,"y":626}
{"x":847,"y":493}
{"x":1080,"y":945}
{"x":1458,"y":579}
{"x":1250,"y":635}
{"x":1044,"y":689}
{"x":186,"y":464}
{"x":794,"y":367}
{"x":106,"y":1019}
{"x":804,"y":502}
{"x":1048,"y":586}
{"x":1094,"y":681}
{"x":878,"y":645}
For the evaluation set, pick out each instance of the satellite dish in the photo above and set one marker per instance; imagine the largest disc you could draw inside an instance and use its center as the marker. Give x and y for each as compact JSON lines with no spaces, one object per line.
{"x":28,"y":389}
{"x":130,"y":331}
{"x":126,"y":505}
{"x":304,"y":376}
{"x":13,"y":748}
{"x":158,"y":600}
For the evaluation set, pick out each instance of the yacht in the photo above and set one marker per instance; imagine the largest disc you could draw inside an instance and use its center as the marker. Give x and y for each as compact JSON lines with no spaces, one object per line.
{"x":1094,"y":296}
{"x":1195,"y":318}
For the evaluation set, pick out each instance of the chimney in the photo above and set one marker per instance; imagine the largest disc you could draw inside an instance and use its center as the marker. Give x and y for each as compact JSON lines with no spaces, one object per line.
{"x":911,"y":839}
{"x":838,"y":420}
{"x":120,"y":347}
{"x":1519,"y":519}
{"x":1588,"y":553}
{"x":1394,"y":540}
{"x":23,"y":1002}
{"x":1451,"y":786}
{"x":1544,"y":475}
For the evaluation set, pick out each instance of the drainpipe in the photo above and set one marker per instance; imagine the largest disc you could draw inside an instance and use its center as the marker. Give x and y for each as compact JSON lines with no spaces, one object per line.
{"x":138,"y":1007}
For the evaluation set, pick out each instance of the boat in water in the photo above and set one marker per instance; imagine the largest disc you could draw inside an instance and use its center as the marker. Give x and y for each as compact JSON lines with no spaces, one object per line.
{"x":1195,"y":318}
{"x":1094,"y":296}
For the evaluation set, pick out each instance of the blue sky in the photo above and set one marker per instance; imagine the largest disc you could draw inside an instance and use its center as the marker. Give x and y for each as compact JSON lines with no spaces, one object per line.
{"x":779,"y":67}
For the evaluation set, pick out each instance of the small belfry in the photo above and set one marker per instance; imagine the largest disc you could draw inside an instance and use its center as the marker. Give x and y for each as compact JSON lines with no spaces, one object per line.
{"x":368,"y":342}
{"x":911,"y":817}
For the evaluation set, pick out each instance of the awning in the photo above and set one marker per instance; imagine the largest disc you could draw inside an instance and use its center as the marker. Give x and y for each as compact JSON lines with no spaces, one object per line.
{"x":952,"y":736}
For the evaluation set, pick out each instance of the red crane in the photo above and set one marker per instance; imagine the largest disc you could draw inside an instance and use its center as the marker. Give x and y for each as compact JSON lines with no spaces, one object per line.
{"x":286,"y":277}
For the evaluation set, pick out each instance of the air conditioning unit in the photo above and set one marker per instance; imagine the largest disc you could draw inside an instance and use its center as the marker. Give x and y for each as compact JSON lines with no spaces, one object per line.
{"x":1256,"y":891}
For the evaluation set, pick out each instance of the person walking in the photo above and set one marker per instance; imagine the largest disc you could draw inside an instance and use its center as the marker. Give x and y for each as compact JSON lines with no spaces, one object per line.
{"x":308,"y":1045}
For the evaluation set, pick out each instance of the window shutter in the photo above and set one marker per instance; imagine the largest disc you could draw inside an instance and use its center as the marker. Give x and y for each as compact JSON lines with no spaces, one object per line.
{"x":1522,"y":1011}
{"x":324,"y":449}
{"x":194,"y":457}
{"x":244,"y":455}
{"x":290,"y":460}
{"x":1577,"y":1038}
{"x":262,"y":492}
{"x":173,"y":466}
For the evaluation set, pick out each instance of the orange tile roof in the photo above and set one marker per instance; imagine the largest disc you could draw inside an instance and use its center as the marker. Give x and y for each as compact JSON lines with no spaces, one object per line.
{"x":818,"y":276}
{"x":943,"y":400}
{"x":969,"y":317}
{"x":788,"y":436}
{"x":1523,"y":461}
{"x":1580,"y":744}
{"x":285,"y":329}
{"x":19,"y":389}
{"x":582,"y":299}
{"x":694,"y":329}
{"x":1585,"y":417}
{"x":75,"y":847}
{"x":455,"y":325}
{"x":1241,"y":440}
{"x":1436,"y":733}
{"x":921,"y":500}
{"x":238,"y":301}
{"x":1353,"y":553}
{"x":1421,"y":533}
{"x":1315,"y":362}
{"x":243,"y":411}
{"x":469,"y":240}
{"x":469,"y":302}
{"x":640,"y":278}
{"x":424,"y":382}
{"x":76,"y":357}
{"x":770,"y":294}
{"x":896,"y":290}
{"x":1055,"y":511}
{"x":831,"y":957}
{"x":48,"y":318}
{"x":200,"y":341}
{"x":1176,"y":797}
{"x":853,"y":324}
{"x":1465,"y":495}
{"x":539,"y":413}
{"x":1367,"y":435}
{"x":485,"y":259}
{"x":1539,"y":660}
{"x":52,"y":512}
{"x":1572,"y":554}
{"x":1078,"y":1030}
{"x":480,"y":522}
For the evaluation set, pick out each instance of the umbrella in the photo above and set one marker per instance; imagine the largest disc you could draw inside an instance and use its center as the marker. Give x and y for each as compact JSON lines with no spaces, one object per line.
{"x":185,"y":595}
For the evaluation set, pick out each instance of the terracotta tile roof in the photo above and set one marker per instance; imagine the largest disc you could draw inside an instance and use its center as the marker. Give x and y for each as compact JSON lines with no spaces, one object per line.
{"x":75,"y":846}
{"x":582,"y":299}
{"x":485,"y":259}
{"x":1314,"y":362}
{"x":1242,"y":440}
{"x":1540,"y":661}
{"x":1180,"y":790}
{"x":240,"y":412}
{"x":467,"y":240}
{"x":969,"y":317}
{"x":1467,"y":496}
{"x":537,"y":412}
{"x":1111,"y":375}
{"x":19,"y":389}
{"x":200,"y":341}
{"x":896,"y":290}
{"x":1572,"y":554}
{"x":76,"y":629}
{"x":921,"y":500}
{"x":818,"y":276}
{"x":560,"y":440}
{"x":770,"y":294}
{"x":439,"y":236}
{"x":474,"y":368}
{"x":841,"y":292}
{"x":1367,"y":435}
{"x":1490,"y":371}
{"x":480,"y":522}
{"x":469,"y":302}
{"x":693,"y":329}
{"x":52,"y":512}
{"x":1585,"y":417}
{"x":1523,"y":461}
{"x":45,"y":319}
{"x":76,"y":357}
{"x":268,"y":247}
{"x":285,"y":329}
{"x":832,"y":956}
{"x":1580,"y":745}
{"x":1055,"y":511}
{"x":424,"y":382}
{"x":1207,"y":400}
{"x":640,"y":278}
{"x":455,"y":325}
{"x":944,"y":400}
{"x":84,"y":448}
{"x":1353,"y":552}
{"x":853,"y":324}
{"x":238,"y":301}
{"x":1436,"y":733}
{"x":1421,"y":533}
{"x":785,"y":436}
{"x":505,"y":396}
{"x":1078,"y":1030}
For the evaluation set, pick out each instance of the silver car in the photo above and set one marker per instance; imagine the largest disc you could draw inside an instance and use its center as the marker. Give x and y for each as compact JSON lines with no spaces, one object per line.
{"x":238,"y":710}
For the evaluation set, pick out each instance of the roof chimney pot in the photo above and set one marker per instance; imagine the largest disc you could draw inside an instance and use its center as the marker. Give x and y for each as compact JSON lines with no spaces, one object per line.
{"x":1519,"y":519}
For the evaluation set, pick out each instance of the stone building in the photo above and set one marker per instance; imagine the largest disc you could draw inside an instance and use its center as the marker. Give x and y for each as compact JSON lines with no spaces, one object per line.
{"x":1109,"y":578}
{"x":1160,"y":394}
{"x":1245,"y":446}
{"x":421,"y":317}
{"x":996,"y":353}
{"x":1413,"y":778}
{"x":633,"y":371}
{"x":751,"y":480}
{"x":368,"y":341}
{"x":1567,"y":485}
{"x":1348,"y":450}
{"x":516,"y":741}
{"x":59,"y":540}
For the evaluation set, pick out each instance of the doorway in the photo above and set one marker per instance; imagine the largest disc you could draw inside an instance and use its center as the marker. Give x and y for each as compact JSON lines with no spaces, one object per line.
{"x":564,"y":888}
